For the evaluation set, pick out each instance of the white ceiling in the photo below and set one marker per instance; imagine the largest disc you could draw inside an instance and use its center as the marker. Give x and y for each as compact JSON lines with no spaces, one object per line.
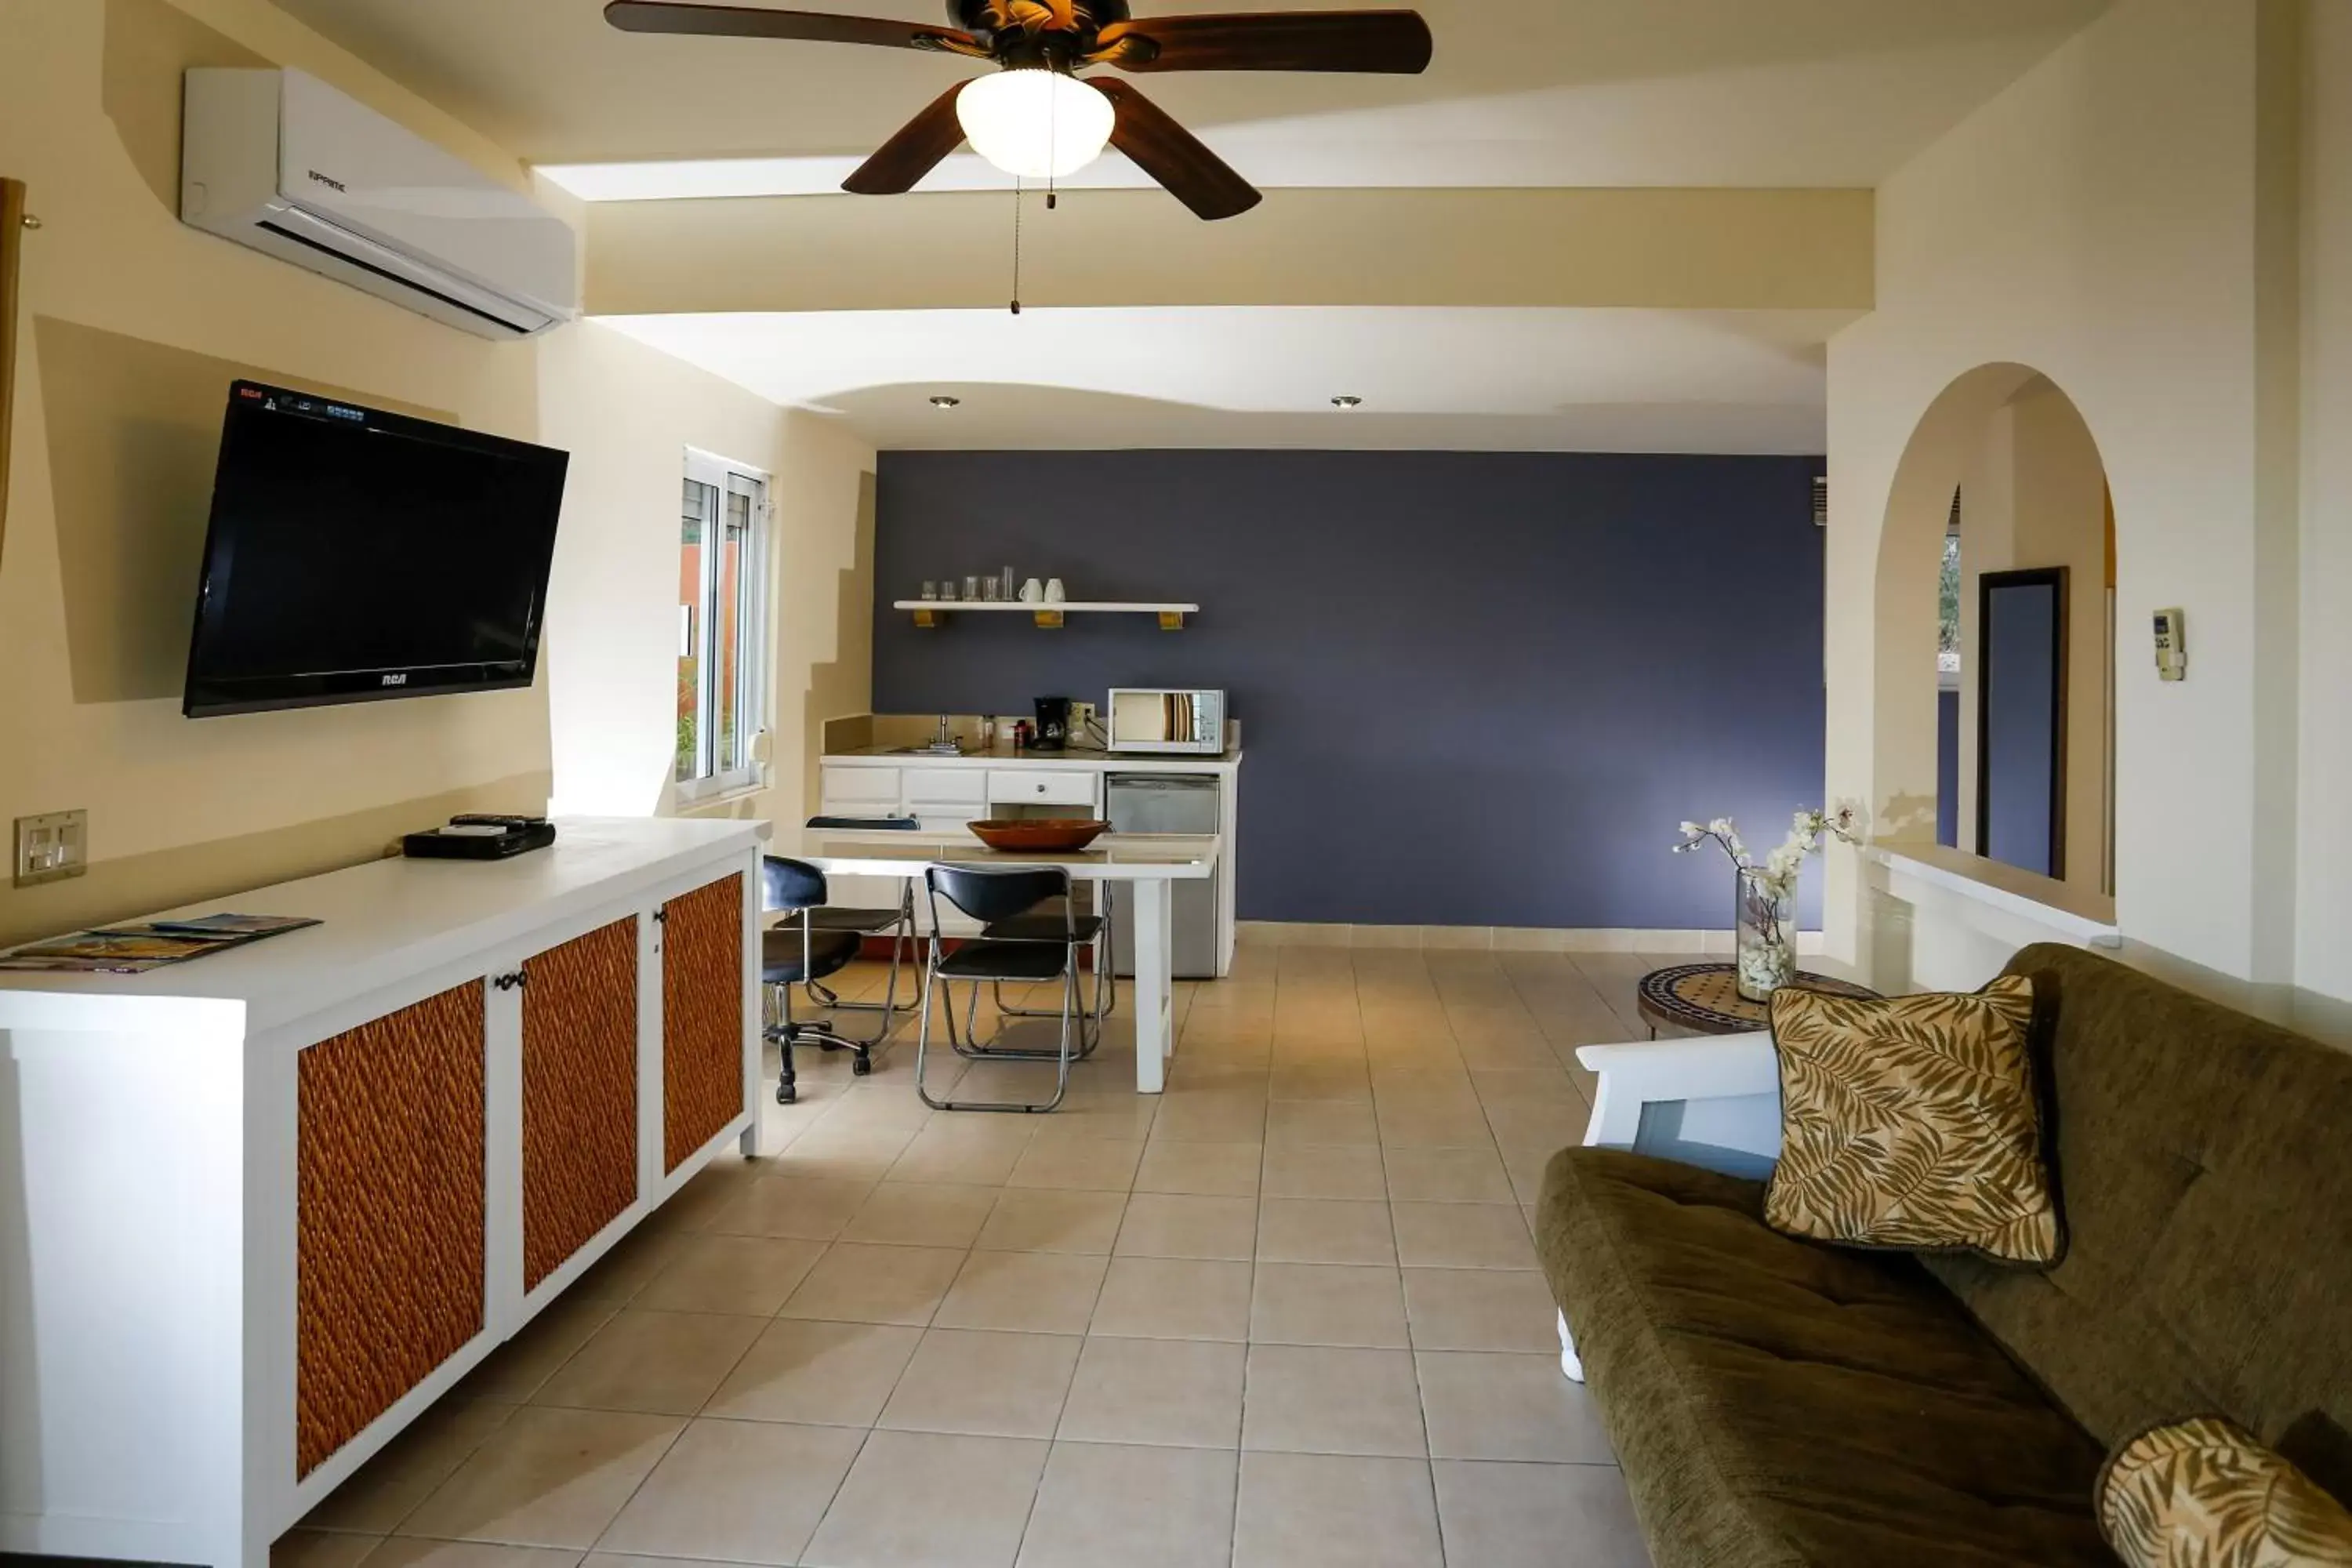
{"x":1568,"y":92}
{"x":1512,"y":379}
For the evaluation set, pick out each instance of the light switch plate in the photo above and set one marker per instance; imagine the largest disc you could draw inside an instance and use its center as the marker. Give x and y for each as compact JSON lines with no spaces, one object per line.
{"x":52,"y":848}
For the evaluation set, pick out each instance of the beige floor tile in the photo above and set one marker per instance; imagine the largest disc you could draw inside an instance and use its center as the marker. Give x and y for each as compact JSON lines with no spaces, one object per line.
{"x":1207,"y":1169}
{"x":985,"y":1383}
{"x":318,"y":1548}
{"x":1463,"y":1235}
{"x":410,"y":1552}
{"x":1556,"y":1124}
{"x":1525,"y":1163}
{"x":1025,"y":1292}
{"x":1318,"y":1172}
{"x":919,"y":1214}
{"x":1488,"y":1405}
{"x":868,"y":1284}
{"x":1212,"y":1116}
{"x":1328,"y":1511}
{"x":659,"y":1364}
{"x":1136,"y":1508}
{"x":1292,"y":1123}
{"x":1176,"y":1298}
{"x":1343,"y":1082}
{"x":1045,"y":1220}
{"x":1324,"y":1230}
{"x":705,"y":1193}
{"x":793,"y":1208}
{"x":1092,"y":1165}
{"x":1321,"y":1399}
{"x":1480,"y":1310}
{"x":1443,"y":1124}
{"x":1125,"y":1116}
{"x":547,"y":1478}
{"x":930,"y":1499}
{"x":741,"y":1274}
{"x":874,"y":1107}
{"x":633,"y":1262}
{"x":521,"y":1367}
{"x":744,"y":1491}
{"x":1179,"y":1393}
{"x":1545,"y":1085}
{"x":815,"y":1372}
{"x":380,"y":1493}
{"x":845,"y":1152}
{"x":968,"y":1150}
{"x":1444,"y":1176}
{"x":1328,"y":1304}
{"x":1538,"y":1516}
{"x":1169,"y":1225}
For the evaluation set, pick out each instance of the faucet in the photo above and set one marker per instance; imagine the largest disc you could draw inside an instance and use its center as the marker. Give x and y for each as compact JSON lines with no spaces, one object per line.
{"x":945,"y":741}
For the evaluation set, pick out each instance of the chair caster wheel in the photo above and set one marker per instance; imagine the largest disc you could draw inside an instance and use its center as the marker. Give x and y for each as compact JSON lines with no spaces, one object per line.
{"x":862,"y":1068}
{"x":786,"y":1094}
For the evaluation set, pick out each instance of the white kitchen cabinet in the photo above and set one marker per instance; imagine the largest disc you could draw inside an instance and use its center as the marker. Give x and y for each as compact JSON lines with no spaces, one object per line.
{"x":1040,"y":786}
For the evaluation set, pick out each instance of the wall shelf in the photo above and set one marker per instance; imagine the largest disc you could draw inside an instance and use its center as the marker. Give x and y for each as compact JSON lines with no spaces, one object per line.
{"x":933,"y":612}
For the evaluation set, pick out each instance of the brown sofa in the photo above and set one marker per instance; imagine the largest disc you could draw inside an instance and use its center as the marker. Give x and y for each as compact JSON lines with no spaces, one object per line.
{"x":1776,"y":1402}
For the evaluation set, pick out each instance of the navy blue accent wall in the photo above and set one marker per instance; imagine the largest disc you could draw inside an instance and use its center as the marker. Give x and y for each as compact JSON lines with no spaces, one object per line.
{"x":1948,"y":769}
{"x":1477,"y":688}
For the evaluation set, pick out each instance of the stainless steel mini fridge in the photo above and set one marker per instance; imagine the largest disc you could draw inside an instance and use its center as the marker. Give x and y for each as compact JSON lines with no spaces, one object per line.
{"x":1172,"y":803}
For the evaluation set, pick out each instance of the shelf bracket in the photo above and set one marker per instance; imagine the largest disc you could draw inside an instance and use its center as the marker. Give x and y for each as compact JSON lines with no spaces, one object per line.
{"x":929,"y":619}
{"x":1050,"y":619}
{"x":1171,"y":620}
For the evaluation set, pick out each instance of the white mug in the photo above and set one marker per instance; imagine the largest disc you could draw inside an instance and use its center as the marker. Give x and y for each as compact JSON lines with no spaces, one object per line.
{"x":1054,"y":592}
{"x":1031,"y":593}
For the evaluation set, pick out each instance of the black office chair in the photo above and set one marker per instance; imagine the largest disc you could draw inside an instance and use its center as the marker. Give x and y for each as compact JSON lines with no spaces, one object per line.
{"x":1096,"y":931}
{"x":991,"y":894}
{"x":898,"y":925}
{"x":798,"y":952}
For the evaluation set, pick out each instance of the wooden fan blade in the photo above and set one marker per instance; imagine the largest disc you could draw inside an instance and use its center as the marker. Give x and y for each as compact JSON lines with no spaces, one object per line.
{"x":1387,"y":42}
{"x":913,"y":152}
{"x":1174,"y":156}
{"x":758,"y":22}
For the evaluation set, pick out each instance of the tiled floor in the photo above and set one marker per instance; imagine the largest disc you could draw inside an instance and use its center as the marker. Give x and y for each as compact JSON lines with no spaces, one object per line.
{"x":1285,"y":1315}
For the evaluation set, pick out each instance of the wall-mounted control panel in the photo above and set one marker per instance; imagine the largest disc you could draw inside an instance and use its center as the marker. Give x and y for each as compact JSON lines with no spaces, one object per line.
{"x":2172,"y":645}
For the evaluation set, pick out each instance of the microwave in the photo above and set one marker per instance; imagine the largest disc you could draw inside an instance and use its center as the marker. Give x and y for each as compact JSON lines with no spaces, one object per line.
{"x":1166,"y":722}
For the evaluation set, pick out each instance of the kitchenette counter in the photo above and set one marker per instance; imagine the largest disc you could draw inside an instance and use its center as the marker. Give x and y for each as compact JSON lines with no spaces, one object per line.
{"x":1005,"y":755}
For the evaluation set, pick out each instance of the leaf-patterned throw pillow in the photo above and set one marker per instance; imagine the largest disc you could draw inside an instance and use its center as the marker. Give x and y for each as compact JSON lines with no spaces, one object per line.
{"x":1912,"y":1123}
{"x":2204,"y":1493}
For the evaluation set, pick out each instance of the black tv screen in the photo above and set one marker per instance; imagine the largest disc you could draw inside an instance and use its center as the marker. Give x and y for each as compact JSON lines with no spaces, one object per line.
{"x":355,"y":555}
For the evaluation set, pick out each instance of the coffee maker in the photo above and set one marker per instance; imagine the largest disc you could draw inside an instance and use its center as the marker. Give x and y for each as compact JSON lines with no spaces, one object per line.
{"x":1053,"y":724}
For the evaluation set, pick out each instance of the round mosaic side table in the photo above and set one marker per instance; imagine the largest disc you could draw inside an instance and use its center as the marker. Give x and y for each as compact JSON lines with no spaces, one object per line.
{"x":1705,"y":998}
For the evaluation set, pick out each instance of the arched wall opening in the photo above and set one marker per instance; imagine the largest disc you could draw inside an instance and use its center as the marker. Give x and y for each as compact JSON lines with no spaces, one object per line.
{"x":2002,"y":482}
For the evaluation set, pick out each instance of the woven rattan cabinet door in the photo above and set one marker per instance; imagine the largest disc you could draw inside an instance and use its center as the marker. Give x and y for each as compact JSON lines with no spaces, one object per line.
{"x":579,"y":1094}
{"x":389,"y":1213}
{"x":702,"y":1016}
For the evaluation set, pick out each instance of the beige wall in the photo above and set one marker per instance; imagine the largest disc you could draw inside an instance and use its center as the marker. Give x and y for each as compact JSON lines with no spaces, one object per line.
{"x":2035,"y":495}
{"x":627,"y":413}
{"x":2106,"y":222}
{"x":132,"y":327}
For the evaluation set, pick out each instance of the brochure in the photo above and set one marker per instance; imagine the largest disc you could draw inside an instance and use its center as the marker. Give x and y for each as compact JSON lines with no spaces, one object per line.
{"x":143,"y":945}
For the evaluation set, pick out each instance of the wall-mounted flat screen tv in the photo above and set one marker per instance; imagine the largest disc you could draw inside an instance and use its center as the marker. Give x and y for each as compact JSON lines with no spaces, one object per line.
{"x":355,"y":555}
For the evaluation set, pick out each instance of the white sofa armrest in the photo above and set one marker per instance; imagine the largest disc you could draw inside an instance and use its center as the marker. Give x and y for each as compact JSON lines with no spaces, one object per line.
{"x":1690,"y":1072}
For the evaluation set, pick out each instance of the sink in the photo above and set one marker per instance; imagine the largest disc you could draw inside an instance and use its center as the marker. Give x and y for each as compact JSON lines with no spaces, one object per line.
{"x":931,"y":749}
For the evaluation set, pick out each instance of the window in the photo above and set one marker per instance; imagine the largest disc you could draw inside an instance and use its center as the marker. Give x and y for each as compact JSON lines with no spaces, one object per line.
{"x":721,"y":625}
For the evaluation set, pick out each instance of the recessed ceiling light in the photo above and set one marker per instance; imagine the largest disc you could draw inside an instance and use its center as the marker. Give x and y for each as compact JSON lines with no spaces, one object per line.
{"x":1344,"y":402}
{"x":944,"y":401}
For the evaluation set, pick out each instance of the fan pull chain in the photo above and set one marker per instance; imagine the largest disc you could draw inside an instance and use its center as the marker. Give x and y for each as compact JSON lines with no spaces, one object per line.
{"x":1017,"y":245}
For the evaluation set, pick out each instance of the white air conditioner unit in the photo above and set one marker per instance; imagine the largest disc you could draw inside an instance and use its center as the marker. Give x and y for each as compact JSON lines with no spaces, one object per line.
{"x":281,"y":162}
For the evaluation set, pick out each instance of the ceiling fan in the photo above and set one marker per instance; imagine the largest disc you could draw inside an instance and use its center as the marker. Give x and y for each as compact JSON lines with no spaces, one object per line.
{"x":1038,"y":117}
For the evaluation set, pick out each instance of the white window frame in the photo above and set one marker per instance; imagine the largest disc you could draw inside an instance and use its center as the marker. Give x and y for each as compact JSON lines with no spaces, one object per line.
{"x":726,"y":476}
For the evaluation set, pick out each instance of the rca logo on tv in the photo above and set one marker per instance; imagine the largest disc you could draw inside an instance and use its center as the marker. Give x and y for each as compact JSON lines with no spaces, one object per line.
{"x":400,"y":679}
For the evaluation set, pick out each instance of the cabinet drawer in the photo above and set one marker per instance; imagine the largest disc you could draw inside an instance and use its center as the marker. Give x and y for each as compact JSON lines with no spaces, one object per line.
{"x":952,"y":788}
{"x":1034,"y":786}
{"x":860,"y":786}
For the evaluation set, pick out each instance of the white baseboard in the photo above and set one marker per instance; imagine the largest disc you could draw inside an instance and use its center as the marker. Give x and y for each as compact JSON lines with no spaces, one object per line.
{"x":1498,"y":938}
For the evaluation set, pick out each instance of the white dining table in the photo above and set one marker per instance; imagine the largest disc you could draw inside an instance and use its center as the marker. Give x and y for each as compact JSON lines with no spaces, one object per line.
{"x":1146,"y":864}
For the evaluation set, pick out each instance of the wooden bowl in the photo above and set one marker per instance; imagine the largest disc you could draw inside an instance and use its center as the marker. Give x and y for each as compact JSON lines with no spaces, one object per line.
{"x":1040,"y":836}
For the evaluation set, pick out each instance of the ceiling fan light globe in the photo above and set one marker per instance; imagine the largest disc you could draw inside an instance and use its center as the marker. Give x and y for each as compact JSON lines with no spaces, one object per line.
{"x":1035,"y":123}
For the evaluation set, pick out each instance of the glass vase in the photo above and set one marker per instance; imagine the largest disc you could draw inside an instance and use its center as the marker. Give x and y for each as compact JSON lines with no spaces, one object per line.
{"x":1766,"y":935}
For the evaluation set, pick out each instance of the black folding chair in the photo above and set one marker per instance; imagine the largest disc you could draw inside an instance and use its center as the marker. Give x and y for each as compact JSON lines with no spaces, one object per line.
{"x":1095,"y":931}
{"x":991,"y":894}
{"x":798,"y":952}
{"x":898,"y":925}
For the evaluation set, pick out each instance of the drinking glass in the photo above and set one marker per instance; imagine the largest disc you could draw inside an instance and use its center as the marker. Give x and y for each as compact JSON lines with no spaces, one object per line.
{"x":930,"y":589}
{"x":972,"y":590}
